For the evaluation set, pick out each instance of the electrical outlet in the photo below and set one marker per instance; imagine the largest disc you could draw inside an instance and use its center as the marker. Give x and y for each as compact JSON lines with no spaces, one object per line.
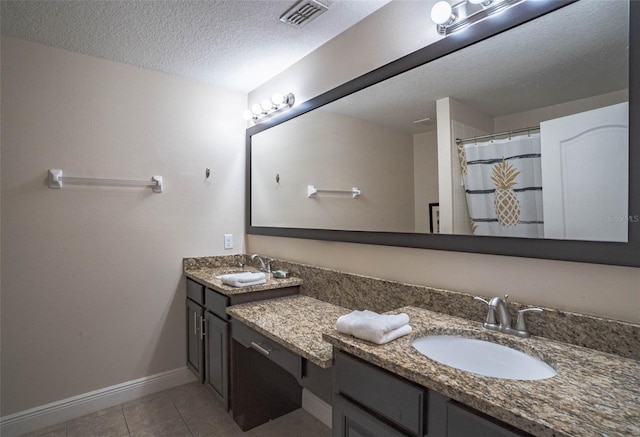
{"x":228,"y":241}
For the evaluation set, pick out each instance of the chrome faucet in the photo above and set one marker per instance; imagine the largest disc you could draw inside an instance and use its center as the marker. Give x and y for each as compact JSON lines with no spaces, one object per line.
{"x":499,"y":319}
{"x":265,"y":263}
{"x":499,"y":306}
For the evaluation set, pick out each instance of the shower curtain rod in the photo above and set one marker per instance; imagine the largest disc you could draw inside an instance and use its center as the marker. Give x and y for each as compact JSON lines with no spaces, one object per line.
{"x":509,"y":132}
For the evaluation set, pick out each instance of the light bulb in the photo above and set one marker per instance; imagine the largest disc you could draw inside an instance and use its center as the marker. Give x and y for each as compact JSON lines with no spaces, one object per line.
{"x":277,"y":99}
{"x":441,"y":13}
{"x":248,"y":115}
{"x":256,"y":109}
{"x":266,"y":105}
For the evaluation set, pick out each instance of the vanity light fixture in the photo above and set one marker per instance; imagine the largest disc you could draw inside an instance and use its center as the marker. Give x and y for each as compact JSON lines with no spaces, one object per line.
{"x":268,"y":108}
{"x":451,"y":19}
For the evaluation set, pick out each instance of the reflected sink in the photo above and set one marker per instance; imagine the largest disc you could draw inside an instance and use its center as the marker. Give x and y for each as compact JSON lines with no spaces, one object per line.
{"x":483,"y":357}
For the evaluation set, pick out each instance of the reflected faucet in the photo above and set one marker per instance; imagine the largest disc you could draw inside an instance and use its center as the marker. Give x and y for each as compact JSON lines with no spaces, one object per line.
{"x":265,"y":263}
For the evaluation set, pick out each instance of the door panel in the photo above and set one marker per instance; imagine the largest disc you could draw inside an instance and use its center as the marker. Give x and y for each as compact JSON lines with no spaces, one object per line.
{"x":585,"y":175}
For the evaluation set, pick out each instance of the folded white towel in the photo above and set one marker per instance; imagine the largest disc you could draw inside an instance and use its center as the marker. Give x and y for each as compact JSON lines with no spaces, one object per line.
{"x":374,"y":327}
{"x":244,"y":276}
{"x":379,"y":337}
{"x":345,"y":323}
{"x":244,"y":284}
{"x":384,"y":322}
{"x":246,"y":279}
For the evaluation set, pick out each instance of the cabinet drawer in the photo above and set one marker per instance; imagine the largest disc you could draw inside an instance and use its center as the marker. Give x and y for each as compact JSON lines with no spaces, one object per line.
{"x":195,"y":291}
{"x":216,"y":303}
{"x":462,"y":423}
{"x":399,"y":401}
{"x":351,"y":421}
{"x":280,"y":355}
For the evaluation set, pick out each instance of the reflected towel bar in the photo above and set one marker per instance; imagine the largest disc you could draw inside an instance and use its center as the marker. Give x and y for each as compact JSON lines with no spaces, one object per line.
{"x":312,"y":191}
{"x":56,"y":179}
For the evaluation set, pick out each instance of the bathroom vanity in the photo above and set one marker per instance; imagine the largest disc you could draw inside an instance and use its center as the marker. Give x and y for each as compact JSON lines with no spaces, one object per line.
{"x":394,"y":390}
{"x":208,"y":334}
{"x":593,"y":393}
{"x":278,"y":346}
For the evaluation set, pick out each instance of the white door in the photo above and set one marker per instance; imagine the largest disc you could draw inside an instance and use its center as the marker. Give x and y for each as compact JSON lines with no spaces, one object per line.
{"x":585,"y":175}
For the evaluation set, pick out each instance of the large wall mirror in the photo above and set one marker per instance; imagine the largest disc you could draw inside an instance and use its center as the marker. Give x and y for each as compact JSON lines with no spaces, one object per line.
{"x":512,"y":138}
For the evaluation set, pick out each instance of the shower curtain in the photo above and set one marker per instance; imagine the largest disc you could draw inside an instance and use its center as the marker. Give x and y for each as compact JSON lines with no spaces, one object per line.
{"x":503,"y":186}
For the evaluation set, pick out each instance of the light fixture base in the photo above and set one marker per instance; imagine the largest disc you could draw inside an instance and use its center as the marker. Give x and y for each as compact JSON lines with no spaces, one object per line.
{"x":468,"y":13}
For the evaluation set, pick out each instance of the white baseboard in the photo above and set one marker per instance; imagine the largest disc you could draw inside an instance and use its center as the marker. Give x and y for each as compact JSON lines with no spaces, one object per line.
{"x":316,"y":407}
{"x":70,"y":408}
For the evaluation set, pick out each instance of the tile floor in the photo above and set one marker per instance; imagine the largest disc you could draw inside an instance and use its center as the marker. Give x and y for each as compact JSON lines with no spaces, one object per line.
{"x":188,"y":410}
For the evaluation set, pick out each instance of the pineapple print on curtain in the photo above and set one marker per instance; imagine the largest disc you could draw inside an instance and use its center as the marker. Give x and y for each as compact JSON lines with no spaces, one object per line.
{"x":505,"y":201}
{"x":503,"y":185}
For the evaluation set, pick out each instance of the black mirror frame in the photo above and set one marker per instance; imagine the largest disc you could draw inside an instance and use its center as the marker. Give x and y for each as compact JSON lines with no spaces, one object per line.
{"x":622,"y":254}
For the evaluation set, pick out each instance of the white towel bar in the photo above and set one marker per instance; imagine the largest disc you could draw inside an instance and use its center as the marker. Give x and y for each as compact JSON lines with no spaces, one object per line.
{"x":56,"y":179}
{"x":312,"y":191}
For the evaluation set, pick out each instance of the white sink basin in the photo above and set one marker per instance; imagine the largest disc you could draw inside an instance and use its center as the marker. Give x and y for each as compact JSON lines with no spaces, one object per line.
{"x":483,"y":357}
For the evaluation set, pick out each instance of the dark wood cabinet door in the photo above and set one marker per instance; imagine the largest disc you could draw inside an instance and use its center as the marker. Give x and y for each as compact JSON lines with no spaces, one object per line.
{"x":195,"y":356}
{"x":216,"y":356}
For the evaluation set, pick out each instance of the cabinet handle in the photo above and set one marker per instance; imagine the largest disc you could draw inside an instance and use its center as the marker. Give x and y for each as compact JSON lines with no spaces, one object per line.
{"x":203,"y":326}
{"x":195,"y":323}
{"x":261,"y":349}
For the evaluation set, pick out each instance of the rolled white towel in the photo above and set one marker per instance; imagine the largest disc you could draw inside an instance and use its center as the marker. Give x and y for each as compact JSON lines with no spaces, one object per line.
{"x":245,"y":279}
{"x":374,"y":327}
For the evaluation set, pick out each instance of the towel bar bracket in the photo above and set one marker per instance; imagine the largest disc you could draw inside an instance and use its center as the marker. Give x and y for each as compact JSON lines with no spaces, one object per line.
{"x":54,"y":178}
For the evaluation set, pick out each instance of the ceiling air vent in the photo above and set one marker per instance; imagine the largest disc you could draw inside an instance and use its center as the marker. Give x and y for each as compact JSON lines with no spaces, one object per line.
{"x":303,"y":12}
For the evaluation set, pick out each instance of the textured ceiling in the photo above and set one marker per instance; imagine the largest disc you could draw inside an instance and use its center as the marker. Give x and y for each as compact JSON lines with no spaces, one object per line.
{"x":236,"y":44}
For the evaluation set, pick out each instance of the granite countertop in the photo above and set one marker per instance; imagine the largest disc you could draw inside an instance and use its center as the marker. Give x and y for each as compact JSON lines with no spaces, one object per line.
{"x":295,"y":322}
{"x":594,"y":393}
{"x":207,"y":276}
